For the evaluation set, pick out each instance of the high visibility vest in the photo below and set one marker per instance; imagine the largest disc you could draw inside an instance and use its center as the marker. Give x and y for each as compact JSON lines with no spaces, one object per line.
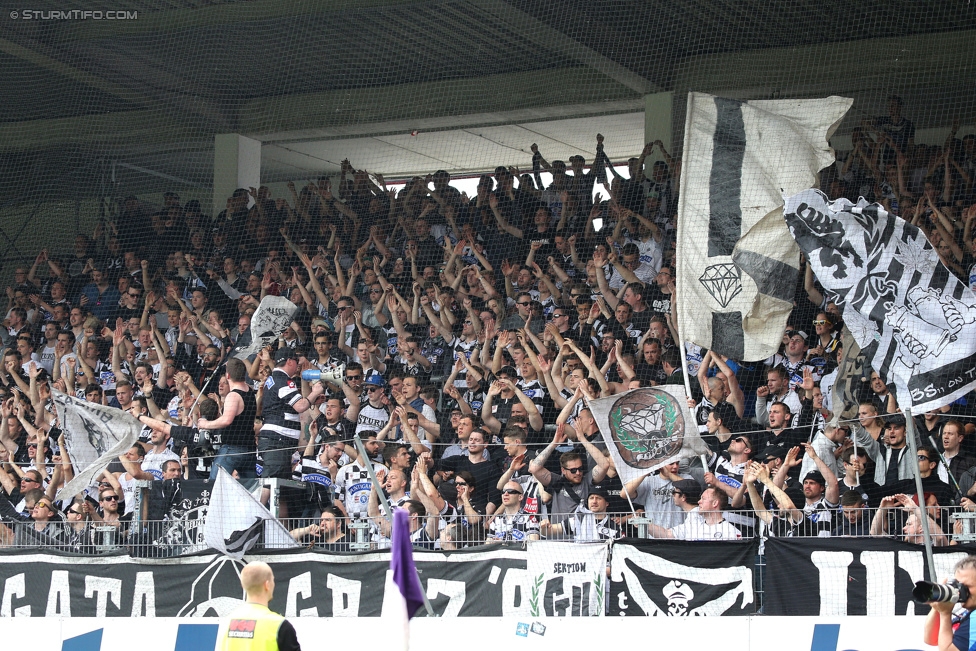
{"x":252,"y":627}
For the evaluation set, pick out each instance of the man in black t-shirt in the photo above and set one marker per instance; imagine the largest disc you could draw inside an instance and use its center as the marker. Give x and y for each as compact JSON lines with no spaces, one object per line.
{"x":236,"y":423}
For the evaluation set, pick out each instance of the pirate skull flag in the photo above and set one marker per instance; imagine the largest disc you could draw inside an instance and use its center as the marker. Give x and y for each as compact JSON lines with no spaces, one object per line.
{"x":647,"y":428}
{"x":914,"y":321}
{"x":735,"y":262}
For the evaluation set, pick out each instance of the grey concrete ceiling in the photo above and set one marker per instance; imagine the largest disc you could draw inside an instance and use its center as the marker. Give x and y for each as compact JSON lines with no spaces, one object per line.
{"x":322,"y":80}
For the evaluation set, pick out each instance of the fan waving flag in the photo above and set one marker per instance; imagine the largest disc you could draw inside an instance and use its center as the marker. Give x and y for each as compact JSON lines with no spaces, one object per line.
{"x":914,"y":321}
{"x":273,"y":316}
{"x":647,"y":428}
{"x":236,"y":522}
{"x":736,"y":266}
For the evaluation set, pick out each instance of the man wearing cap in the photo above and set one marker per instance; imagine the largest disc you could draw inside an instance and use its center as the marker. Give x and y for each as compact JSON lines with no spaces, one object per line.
{"x":590,"y":523}
{"x":374,"y":413}
{"x":280,"y":408}
{"x":821,"y":493}
{"x":892,"y":462}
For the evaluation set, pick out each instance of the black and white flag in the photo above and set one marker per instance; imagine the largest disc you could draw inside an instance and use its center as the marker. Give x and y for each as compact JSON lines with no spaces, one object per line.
{"x":237,"y":523}
{"x":679,"y":578}
{"x":94,"y":435}
{"x":735,"y":261}
{"x":274,"y":314}
{"x":914,"y":321}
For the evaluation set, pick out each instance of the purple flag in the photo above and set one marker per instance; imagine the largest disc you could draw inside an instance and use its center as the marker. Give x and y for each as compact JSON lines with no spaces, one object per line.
{"x":401,"y":564}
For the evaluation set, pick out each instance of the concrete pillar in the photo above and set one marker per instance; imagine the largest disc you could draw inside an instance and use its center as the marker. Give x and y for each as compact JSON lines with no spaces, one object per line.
{"x":657,"y":119}
{"x":237,"y":164}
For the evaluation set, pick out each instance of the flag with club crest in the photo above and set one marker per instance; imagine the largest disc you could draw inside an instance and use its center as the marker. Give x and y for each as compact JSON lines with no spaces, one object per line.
{"x":736,"y":265}
{"x":647,"y":428}
{"x":914,"y":321}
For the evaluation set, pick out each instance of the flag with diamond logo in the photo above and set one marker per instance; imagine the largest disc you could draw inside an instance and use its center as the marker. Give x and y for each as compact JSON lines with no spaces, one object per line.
{"x":647,"y":428}
{"x":737,"y":267}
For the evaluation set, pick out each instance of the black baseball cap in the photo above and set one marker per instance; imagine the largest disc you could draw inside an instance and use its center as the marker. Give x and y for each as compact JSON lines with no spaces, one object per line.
{"x":284,"y":354}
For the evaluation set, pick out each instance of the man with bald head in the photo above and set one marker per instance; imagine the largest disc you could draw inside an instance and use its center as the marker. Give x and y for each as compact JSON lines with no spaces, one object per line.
{"x":253,"y":625}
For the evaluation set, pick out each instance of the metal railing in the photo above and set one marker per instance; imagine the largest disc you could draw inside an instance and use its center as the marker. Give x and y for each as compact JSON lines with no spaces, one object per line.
{"x":185,"y":535}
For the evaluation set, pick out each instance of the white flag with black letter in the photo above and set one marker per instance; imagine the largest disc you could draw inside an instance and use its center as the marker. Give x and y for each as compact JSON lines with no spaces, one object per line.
{"x":236,"y":522}
{"x":914,"y":321}
{"x":94,"y":436}
{"x":734,"y":258}
{"x":274,"y":314}
{"x":647,"y":428}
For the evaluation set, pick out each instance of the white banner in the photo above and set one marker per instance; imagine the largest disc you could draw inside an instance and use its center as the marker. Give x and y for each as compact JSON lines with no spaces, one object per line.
{"x":566,"y":579}
{"x":737,"y":267}
{"x":274,"y":314}
{"x":94,"y":435}
{"x":914,"y":321}
{"x":647,"y":428}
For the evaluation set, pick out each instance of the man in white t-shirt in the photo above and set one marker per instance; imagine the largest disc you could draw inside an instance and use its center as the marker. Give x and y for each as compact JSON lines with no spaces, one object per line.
{"x":711,"y":526}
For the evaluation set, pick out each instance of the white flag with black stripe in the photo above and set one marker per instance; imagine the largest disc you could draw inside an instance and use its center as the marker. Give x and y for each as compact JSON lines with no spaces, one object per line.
{"x":914,"y":321}
{"x":236,"y":522}
{"x":737,"y":267}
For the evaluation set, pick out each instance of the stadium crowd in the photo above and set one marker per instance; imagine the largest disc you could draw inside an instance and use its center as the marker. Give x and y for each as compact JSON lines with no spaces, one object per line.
{"x":461,"y":337}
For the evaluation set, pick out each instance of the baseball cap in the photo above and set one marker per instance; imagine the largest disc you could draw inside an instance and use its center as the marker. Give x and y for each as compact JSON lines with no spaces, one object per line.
{"x":773,"y":452}
{"x":894,"y":420}
{"x":375,"y":380}
{"x":283,"y":354}
{"x":692,"y":489}
{"x":794,"y":333}
{"x":602,"y":492}
{"x":817,"y":476}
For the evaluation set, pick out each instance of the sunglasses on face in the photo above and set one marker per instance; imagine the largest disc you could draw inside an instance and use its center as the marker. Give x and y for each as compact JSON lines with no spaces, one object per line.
{"x":110,"y":498}
{"x":460,"y":483}
{"x":821,"y":322}
{"x":510,"y":491}
{"x":574,"y":470}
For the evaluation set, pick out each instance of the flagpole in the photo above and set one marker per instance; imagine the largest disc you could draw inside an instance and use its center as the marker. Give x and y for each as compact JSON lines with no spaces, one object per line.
{"x":946,"y":464}
{"x":923,"y":514}
{"x":372,"y":477}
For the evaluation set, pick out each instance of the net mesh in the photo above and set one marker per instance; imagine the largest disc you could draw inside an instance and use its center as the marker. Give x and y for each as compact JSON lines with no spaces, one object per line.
{"x":118,"y":145}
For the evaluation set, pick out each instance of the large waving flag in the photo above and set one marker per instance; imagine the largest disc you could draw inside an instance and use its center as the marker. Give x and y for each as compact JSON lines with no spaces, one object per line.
{"x":95,"y":435}
{"x":647,"y":428}
{"x":236,"y":522}
{"x":737,"y":267}
{"x":914,"y":321}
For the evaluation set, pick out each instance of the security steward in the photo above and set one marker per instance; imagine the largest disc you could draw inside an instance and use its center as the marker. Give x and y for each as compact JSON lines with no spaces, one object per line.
{"x":253,"y":626}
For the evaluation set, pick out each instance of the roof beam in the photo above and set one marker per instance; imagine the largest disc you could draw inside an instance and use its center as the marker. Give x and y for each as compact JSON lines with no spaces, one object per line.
{"x":522,"y":23}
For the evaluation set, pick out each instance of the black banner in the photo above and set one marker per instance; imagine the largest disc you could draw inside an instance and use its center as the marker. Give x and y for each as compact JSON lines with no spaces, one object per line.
{"x":682,"y":578}
{"x":485,"y":582}
{"x":849,"y":576}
